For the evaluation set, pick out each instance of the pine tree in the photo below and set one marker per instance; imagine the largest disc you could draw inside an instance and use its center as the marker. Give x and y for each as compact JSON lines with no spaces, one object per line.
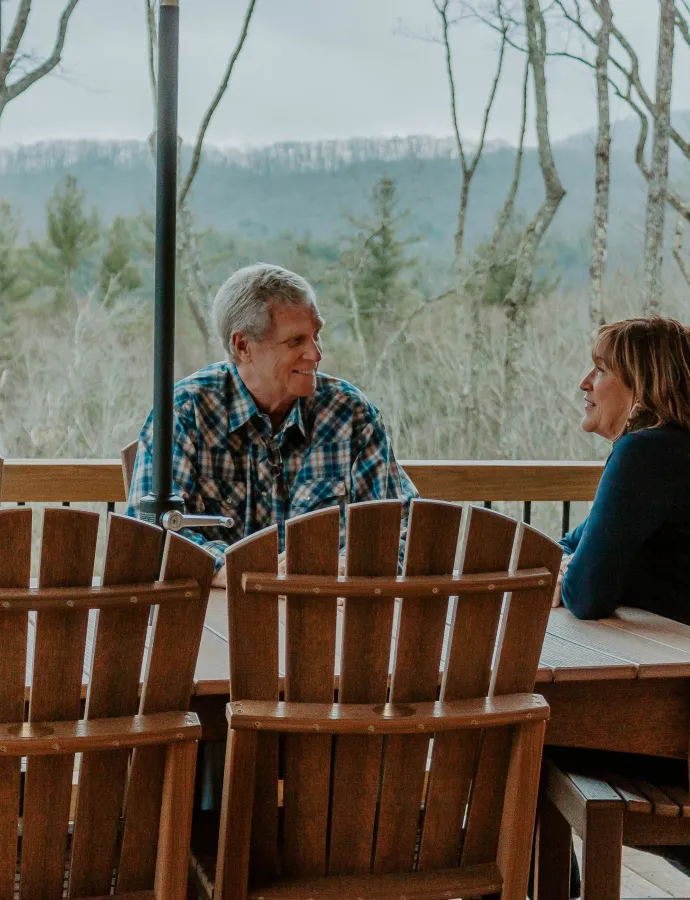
{"x":117,"y":273}
{"x":377,"y":261}
{"x":72,"y":236}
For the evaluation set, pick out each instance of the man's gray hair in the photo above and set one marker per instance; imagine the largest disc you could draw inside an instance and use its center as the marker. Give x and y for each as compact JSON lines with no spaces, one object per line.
{"x":243,"y":303}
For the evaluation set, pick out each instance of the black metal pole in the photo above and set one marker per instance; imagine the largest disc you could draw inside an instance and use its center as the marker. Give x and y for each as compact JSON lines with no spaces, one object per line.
{"x":162,"y":499}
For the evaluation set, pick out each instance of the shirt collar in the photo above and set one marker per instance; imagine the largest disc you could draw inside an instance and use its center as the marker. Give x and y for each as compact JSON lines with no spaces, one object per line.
{"x":241,"y":406}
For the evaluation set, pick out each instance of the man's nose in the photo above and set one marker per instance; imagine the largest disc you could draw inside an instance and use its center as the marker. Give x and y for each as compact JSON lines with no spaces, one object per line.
{"x":313,"y":351}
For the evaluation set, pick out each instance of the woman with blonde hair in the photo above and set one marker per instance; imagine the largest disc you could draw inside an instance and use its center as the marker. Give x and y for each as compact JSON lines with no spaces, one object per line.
{"x":634,"y":547}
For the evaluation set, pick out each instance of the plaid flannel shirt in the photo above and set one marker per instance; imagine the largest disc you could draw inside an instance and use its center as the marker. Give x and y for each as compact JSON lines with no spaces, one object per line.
{"x":332,"y":448}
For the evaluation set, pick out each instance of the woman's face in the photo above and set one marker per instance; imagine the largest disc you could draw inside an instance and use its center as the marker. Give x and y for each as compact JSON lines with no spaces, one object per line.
{"x":607,"y":401}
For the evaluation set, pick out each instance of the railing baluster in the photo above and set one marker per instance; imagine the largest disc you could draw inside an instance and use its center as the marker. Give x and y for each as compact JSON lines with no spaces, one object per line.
{"x":65,"y":503}
{"x":111,"y":507}
{"x":565,"y":522}
{"x":487,"y":504}
{"x":527,"y":512}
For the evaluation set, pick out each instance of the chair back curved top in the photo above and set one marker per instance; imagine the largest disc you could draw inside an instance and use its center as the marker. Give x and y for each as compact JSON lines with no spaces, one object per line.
{"x":371,"y":799}
{"x":76,"y":651}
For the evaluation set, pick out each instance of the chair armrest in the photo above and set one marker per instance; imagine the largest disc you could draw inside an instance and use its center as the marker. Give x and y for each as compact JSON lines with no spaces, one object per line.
{"x":51,"y":738}
{"x":389,"y":718}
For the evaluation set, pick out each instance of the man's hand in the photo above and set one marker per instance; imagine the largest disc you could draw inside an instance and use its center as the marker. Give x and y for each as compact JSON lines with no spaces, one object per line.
{"x":220,"y":578}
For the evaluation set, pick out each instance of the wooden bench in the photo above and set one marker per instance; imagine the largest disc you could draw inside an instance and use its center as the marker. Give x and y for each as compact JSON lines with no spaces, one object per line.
{"x":610,"y":801}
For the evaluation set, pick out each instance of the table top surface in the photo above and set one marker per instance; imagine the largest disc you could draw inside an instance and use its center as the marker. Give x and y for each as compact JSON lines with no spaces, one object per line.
{"x":631,"y":644}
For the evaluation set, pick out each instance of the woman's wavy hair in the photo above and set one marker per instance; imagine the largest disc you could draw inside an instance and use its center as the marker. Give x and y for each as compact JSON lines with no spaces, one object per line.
{"x":652,"y":357}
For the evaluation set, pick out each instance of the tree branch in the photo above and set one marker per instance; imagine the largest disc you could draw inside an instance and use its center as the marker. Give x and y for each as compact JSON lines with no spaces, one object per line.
{"x":677,"y":251}
{"x":400,"y":330}
{"x":14,"y":40}
{"x":19,"y":86}
{"x":222,"y":87}
{"x":151,"y":31}
{"x":516,"y":301}
{"x":492,"y":93}
{"x":442,"y":10}
{"x":509,"y":205}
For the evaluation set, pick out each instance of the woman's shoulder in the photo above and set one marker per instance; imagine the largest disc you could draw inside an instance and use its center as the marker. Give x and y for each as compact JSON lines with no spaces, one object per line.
{"x":653,"y":446}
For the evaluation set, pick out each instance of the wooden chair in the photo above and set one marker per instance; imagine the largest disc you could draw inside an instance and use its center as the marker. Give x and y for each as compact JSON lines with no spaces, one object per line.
{"x":610,"y":801}
{"x":389,"y":791}
{"x":128,"y":456}
{"x":132,"y":812}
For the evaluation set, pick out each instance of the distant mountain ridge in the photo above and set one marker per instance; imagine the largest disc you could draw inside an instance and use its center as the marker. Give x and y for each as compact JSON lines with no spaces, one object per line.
{"x":306,"y":188}
{"x":294,"y":155}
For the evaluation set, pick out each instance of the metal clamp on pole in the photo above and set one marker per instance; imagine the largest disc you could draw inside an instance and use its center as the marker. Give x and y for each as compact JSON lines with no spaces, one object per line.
{"x":175,"y":521}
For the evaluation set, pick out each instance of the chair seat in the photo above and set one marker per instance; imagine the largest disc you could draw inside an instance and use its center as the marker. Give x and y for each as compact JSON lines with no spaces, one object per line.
{"x":647,"y":786}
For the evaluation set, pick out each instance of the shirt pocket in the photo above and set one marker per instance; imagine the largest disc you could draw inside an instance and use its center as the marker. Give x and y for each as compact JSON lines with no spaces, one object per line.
{"x":219,"y":498}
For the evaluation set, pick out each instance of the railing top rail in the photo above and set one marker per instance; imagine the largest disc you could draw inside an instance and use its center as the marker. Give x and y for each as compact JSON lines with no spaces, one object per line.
{"x":100,"y":480}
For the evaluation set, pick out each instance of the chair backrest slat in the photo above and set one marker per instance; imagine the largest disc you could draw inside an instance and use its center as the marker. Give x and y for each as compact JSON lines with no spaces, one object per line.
{"x":168,"y":685}
{"x":128,"y":457}
{"x":526,"y":618}
{"x":373,"y":538}
{"x":67,"y":558}
{"x":132,"y":555}
{"x":253,"y":647}
{"x":431,"y":547}
{"x":467,"y":673}
{"x":312,"y":544}
{"x":15,"y":570}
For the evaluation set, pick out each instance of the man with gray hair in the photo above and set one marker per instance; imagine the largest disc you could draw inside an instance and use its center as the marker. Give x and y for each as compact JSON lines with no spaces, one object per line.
{"x":265,"y":436}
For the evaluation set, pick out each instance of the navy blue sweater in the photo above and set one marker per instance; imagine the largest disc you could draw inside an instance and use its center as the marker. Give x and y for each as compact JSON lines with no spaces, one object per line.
{"x":634,"y":547}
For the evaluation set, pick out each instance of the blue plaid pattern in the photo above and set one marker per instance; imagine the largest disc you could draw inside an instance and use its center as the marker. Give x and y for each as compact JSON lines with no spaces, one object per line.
{"x":332,"y":448}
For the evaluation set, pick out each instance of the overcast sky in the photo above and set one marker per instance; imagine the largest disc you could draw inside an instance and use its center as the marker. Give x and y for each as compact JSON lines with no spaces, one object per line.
{"x":310,"y":69}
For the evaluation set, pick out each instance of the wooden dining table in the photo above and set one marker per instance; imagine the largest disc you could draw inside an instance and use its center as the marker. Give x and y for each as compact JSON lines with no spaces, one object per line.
{"x":621,"y":683}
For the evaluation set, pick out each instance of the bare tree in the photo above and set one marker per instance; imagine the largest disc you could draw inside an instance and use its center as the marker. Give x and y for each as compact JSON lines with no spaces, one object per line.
{"x":658,"y":180}
{"x":12,"y":60}
{"x":602,"y":170}
{"x":193,"y":286}
{"x":517,"y":300}
{"x":678,"y":254}
{"x":626,"y":83}
{"x":469,"y":163}
{"x":506,"y":214}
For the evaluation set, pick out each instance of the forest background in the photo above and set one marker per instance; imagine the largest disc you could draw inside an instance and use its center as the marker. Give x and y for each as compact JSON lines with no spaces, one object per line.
{"x":461,"y":280}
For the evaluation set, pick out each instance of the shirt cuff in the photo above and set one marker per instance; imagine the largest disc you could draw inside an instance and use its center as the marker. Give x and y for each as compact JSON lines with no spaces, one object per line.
{"x":217,"y":549}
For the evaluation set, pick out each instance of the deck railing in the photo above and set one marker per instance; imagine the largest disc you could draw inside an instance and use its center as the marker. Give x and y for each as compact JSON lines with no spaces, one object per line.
{"x":100,"y":481}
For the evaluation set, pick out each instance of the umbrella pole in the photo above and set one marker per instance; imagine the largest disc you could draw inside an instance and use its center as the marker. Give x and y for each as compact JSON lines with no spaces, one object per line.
{"x":161,"y":500}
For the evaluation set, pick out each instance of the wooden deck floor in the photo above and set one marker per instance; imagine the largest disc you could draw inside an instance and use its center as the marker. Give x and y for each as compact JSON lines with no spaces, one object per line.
{"x":646,"y":875}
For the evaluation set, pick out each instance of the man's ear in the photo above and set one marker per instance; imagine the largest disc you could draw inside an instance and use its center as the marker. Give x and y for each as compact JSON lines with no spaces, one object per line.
{"x":240,"y":345}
